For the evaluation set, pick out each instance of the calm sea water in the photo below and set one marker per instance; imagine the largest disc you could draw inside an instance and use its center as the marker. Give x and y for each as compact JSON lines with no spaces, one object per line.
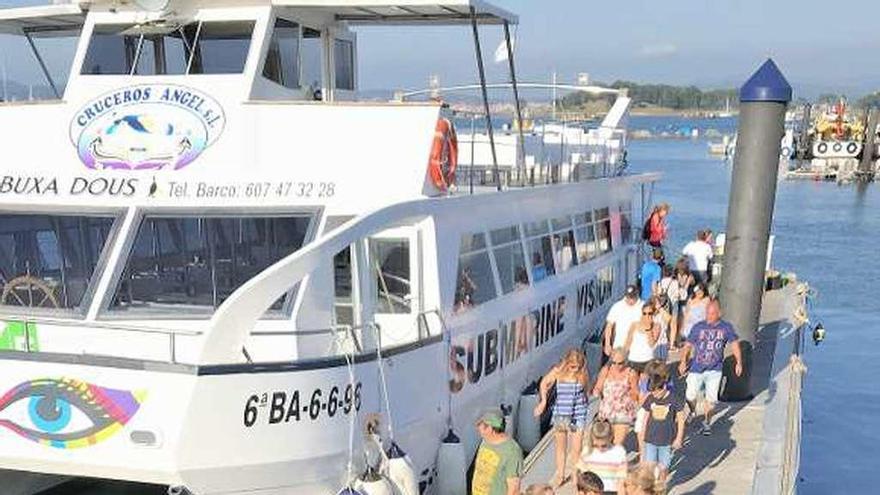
{"x":827,"y":235}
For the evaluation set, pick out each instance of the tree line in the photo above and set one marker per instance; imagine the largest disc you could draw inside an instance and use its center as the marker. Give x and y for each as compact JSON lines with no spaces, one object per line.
{"x":661,"y":95}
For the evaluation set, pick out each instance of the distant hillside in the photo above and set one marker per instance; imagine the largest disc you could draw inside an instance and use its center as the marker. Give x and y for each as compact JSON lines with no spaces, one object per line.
{"x":661,"y":95}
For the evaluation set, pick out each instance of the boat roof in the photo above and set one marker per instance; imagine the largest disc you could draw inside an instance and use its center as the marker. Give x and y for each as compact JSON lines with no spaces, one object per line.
{"x":21,"y":20}
{"x":411,"y":12}
{"x":68,"y":16}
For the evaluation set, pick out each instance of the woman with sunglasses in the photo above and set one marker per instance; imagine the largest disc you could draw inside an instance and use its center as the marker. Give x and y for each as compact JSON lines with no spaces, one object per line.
{"x":572,"y":382}
{"x":618,"y":388}
{"x":642,"y":339}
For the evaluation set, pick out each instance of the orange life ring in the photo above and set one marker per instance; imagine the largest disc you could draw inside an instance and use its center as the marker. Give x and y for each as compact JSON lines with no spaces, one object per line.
{"x":444,"y":155}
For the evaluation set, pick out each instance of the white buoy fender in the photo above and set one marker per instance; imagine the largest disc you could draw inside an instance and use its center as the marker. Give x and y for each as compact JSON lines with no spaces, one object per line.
{"x":451,"y":466}
{"x":528,"y":428}
{"x":401,"y":471}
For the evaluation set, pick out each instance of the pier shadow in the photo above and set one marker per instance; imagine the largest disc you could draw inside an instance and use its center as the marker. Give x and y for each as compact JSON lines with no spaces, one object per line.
{"x":701,"y":453}
{"x":88,"y":486}
{"x":707,"y":488}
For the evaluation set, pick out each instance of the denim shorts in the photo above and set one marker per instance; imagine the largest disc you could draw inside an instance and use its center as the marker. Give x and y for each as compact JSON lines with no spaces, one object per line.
{"x":658,"y":454}
{"x":568,"y":423}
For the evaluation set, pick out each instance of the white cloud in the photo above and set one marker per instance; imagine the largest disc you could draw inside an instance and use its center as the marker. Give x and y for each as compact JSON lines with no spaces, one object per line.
{"x":656,"y":50}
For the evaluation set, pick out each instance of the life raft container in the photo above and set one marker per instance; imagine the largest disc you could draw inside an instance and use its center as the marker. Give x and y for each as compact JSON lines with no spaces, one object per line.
{"x":444,"y":155}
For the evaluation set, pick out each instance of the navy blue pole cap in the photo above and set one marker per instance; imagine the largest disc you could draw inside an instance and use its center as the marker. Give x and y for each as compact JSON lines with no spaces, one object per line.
{"x":767,"y":84}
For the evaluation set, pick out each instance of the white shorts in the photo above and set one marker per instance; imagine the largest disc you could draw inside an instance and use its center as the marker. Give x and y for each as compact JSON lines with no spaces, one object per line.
{"x":708,"y":380}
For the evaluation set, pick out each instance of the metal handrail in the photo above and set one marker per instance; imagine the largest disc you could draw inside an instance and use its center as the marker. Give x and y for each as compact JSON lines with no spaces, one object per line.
{"x":421,"y":318}
{"x":101,"y":325}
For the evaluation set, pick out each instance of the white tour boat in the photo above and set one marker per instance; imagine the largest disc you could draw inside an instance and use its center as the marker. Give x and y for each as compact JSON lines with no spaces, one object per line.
{"x":217,"y":272}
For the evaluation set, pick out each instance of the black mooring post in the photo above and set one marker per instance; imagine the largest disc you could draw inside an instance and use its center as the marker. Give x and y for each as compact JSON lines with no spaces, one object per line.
{"x":866,"y":165}
{"x":763,"y":101}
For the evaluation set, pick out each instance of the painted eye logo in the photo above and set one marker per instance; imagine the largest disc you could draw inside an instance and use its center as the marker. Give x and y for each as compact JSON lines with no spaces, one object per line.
{"x":67,"y":413}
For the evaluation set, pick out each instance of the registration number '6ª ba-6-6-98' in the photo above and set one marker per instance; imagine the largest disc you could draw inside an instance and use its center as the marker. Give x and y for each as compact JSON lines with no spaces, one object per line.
{"x":284,"y":407}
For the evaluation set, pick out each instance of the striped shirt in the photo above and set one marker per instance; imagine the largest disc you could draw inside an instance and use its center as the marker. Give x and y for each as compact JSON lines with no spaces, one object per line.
{"x":610,"y":465}
{"x":570,"y":401}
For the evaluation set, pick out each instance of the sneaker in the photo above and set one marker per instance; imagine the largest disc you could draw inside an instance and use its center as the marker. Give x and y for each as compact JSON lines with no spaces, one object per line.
{"x":706,"y":428}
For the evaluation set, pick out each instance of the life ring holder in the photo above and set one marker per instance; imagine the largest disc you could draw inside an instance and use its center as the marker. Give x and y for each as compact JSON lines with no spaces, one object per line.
{"x":444,"y":155}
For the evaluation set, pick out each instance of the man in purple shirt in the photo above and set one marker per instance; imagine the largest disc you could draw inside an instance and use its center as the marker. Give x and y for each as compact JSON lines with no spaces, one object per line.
{"x":706,"y":342}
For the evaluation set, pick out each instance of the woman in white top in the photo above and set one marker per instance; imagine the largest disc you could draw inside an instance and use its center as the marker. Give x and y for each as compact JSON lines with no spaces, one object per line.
{"x":641,"y":339}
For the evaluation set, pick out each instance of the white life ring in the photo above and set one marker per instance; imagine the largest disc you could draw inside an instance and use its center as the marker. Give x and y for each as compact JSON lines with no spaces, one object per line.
{"x":852,"y":148}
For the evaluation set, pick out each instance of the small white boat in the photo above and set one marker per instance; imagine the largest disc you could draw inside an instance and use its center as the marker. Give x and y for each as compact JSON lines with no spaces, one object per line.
{"x":217,"y":268}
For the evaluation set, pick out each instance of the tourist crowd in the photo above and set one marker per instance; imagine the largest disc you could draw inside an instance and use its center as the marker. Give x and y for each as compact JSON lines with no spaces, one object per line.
{"x":671,"y":309}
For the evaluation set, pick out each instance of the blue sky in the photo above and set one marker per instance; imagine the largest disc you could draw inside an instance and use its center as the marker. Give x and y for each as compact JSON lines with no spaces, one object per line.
{"x":820,"y":46}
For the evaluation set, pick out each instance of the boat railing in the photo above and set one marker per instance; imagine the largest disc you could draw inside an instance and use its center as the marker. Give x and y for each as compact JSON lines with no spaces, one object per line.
{"x":28,"y":323}
{"x":172,"y":333}
{"x":425,"y":327}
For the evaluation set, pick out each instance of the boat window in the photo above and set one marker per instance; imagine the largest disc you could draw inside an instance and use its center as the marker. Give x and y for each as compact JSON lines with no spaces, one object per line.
{"x":343,"y":303}
{"x":540,"y":250}
{"x":561,"y":223}
{"x":204,"y":48}
{"x":41,"y":56}
{"x":475,"y":280}
{"x":389,"y":259}
{"x":509,"y":258}
{"x":626,"y":229}
{"x":312,"y":61}
{"x":472,"y":242}
{"x":282,"y":60}
{"x":603,"y":230}
{"x":585,"y":237}
{"x":49,"y":261}
{"x":110,"y":51}
{"x":536,"y":228}
{"x":343,"y":57}
{"x":564,"y":253}
{"x":197,"y":262}
{"x":222,"y":47}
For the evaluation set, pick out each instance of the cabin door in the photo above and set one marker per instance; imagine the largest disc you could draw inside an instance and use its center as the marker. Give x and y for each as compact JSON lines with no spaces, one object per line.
{"x":394,"y":270}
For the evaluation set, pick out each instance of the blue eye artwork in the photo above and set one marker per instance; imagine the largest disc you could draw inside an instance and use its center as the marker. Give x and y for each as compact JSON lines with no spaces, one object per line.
{"x":67,"y":413}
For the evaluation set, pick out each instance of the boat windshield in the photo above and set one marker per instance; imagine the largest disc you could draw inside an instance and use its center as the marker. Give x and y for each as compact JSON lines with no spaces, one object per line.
{"x":48,"y":261}
{"x":36,"y":65}
{"x":191,"y":264}
{"x":195,"y":48}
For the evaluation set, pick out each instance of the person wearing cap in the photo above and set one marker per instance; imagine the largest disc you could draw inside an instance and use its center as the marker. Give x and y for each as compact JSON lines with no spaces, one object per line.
{"x":499,"y":463}
{"x":620,"y":318}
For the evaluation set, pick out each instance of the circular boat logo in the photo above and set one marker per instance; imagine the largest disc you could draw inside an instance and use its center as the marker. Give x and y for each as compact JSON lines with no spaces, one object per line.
{"x":146,"y":127}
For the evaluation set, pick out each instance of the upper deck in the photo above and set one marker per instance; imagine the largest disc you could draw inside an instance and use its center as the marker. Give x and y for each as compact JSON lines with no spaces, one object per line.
{"x":221,"y":103}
